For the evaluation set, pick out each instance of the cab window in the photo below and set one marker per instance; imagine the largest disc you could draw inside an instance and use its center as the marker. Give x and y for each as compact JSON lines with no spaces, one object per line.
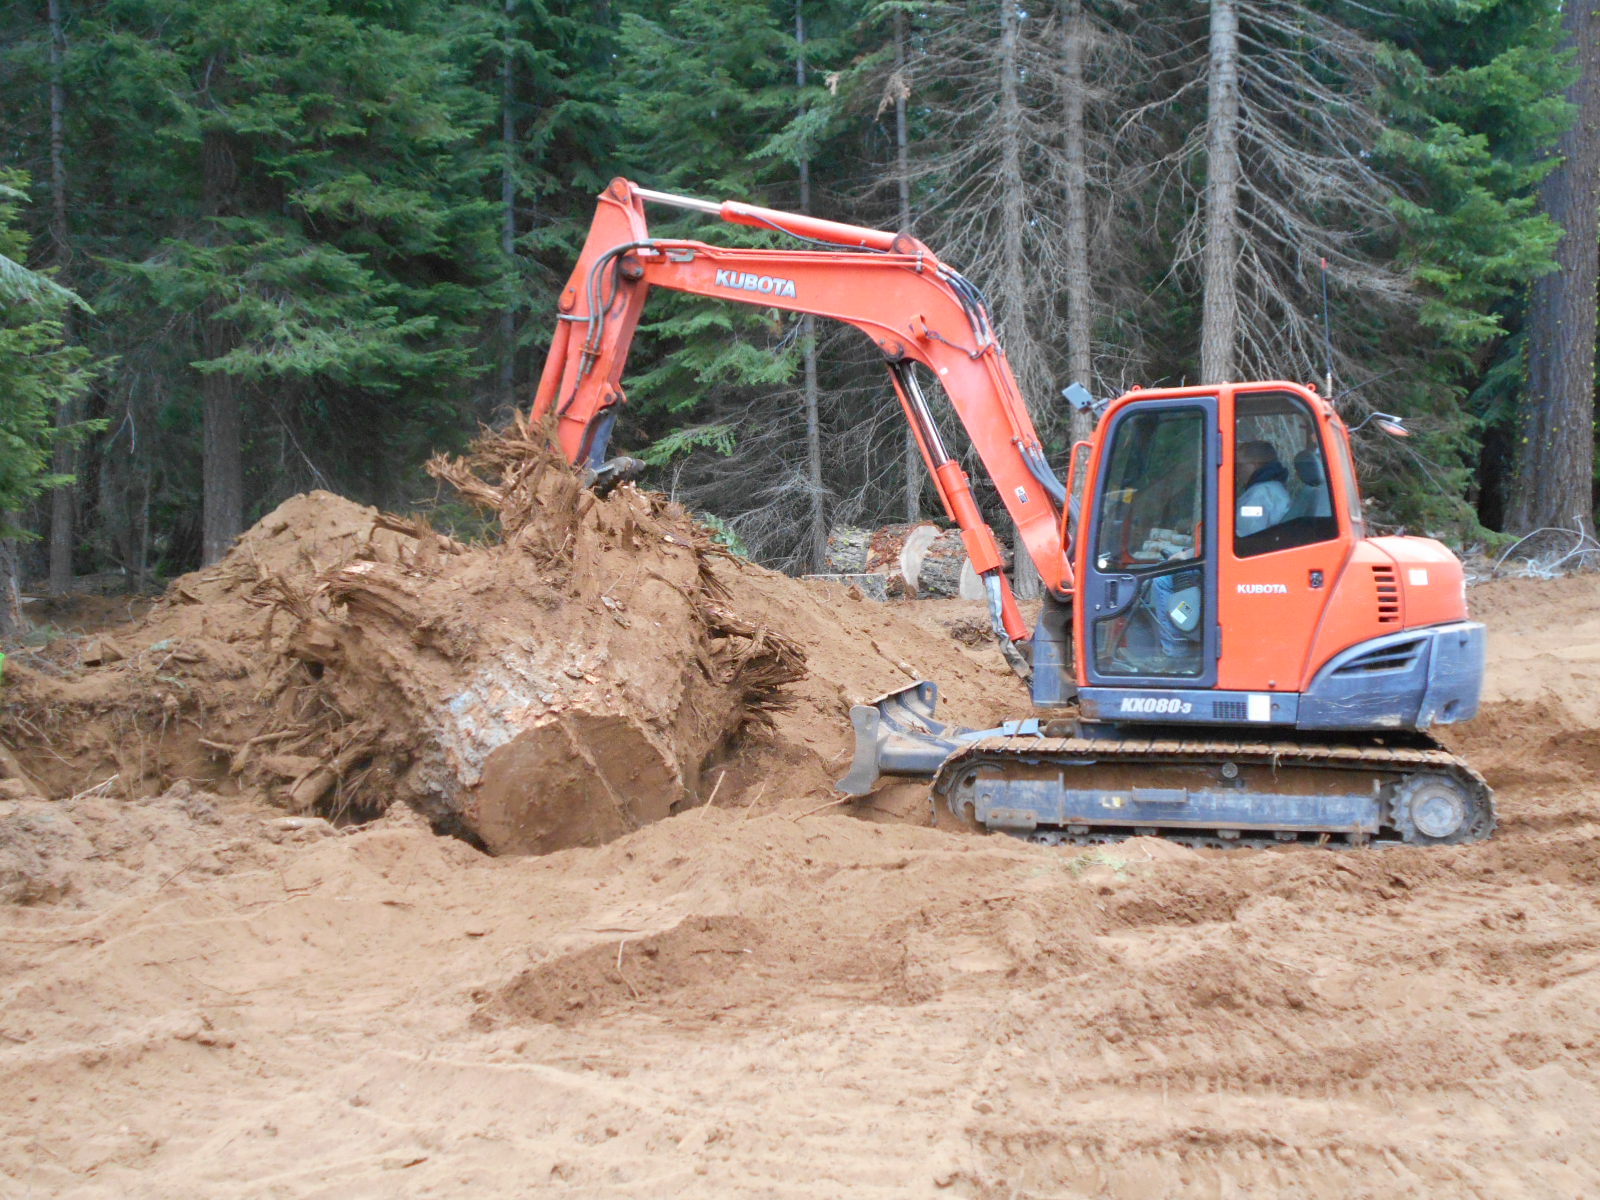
{"x":1281,"y":495}
{"x":1153,"y":499}
{"x":1151,"y":531}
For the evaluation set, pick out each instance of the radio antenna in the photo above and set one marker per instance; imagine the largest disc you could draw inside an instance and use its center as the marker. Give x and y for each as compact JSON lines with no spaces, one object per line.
{"x":1327,"y":334}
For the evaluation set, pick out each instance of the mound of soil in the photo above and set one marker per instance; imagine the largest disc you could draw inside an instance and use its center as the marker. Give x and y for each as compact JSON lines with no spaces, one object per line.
{"x":597,"y":665}
{"x":136,"y":708}
{"x":559,"y":686}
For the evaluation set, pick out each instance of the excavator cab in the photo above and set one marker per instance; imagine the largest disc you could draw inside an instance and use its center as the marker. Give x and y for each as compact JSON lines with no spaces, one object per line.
{"x":1225,"y":566}
{"x":1147,"y":574}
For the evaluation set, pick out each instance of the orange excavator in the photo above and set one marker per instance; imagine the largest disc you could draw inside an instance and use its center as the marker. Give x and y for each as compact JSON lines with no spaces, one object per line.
{"x":1223,"y":655}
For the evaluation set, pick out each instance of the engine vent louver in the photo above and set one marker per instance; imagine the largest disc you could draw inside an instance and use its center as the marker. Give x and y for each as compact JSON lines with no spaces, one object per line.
{"x":1399,"y":657}
{"x":1388,"y":587}
{"x":1229,"y":710}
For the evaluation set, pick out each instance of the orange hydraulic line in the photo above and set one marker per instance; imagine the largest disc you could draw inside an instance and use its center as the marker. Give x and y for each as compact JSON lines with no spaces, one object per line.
{"x":736,"y":213}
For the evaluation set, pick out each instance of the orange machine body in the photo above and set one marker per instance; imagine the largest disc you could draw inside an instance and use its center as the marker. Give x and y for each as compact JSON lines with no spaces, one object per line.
{"x":1266,"y":616}
{"x":1282,"y":615}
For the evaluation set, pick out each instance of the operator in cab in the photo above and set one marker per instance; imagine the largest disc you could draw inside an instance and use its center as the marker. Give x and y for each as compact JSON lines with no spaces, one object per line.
{"x":1259,"y":483}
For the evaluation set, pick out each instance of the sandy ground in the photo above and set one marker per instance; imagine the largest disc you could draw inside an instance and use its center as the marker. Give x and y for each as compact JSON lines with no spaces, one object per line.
{"x":763,"y":999}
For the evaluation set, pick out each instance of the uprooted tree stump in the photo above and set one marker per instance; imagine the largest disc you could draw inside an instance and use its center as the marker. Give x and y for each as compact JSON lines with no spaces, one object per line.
{"x":559,"y":686}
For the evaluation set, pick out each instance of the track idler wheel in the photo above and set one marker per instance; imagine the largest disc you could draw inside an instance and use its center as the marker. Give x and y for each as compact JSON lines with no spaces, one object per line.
{"x":1436,"y":810}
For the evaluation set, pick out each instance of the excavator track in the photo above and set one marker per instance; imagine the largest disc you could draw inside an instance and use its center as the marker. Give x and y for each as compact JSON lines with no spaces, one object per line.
{"x":1217,"y":791}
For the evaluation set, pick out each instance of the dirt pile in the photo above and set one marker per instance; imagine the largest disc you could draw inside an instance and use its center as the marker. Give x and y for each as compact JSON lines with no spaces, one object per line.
{"x":598,"y":665}
{"x":85,"y":849}
{"x":560,"y":686}
{"x":1539,"y":720}
{"x":136,"y":708}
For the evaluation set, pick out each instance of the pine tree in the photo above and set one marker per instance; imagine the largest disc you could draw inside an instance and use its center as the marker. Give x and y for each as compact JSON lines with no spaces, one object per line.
{"x":39,"y":377}
{"x":714,"y":106}
{"x":1554,"y":487}
{"x":315,"y":244}
{"x":1472,"y":102}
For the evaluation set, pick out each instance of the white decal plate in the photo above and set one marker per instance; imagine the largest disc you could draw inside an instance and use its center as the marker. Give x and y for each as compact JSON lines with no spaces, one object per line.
{"x":1418,"y":577}
{"x":1258,"y":708}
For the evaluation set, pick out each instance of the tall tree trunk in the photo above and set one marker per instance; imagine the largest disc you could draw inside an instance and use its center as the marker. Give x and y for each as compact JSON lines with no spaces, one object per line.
{"x":1555,"y":475}
{"x":1014,"y":266}
{"x":12,"y":624}
{"x":910,"y":454}
{"x":1078,"y":280}
{"x":818,"y":552}
{"x":64,"y":456}
{"x":222,"y":463}
{"x":508,"y":213}
{"x":1219,"y":322}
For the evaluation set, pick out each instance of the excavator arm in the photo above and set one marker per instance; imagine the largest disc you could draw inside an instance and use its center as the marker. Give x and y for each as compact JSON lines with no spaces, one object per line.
{"x":890,"y":286}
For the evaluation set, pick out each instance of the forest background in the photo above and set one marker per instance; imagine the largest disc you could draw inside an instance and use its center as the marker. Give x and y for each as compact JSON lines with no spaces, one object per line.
{"x":249,"y":247}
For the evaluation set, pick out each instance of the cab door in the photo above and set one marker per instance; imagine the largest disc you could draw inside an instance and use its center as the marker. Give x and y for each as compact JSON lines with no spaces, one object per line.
{"x":1148,"y":588}
{"x":1285,"y":538}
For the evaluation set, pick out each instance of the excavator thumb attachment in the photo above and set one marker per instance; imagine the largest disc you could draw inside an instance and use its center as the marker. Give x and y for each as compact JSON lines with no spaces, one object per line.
{"x":897,"y":735}
{"x":613,"y":473}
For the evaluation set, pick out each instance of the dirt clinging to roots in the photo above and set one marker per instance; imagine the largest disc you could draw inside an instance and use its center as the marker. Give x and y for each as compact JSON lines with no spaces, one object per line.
{"x":560,"y":684}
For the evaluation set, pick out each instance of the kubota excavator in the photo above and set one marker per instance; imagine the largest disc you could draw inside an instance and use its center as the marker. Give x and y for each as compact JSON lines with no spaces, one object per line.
{"x":1234,"y":659}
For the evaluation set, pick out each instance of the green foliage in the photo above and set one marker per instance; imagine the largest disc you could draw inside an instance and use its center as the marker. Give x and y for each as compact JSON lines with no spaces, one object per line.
{"x":720,"y":439}
{"x":304,"y":200}
{"x":39,"y":374}
{"x":723,"y":533}
{"x":1474,"y":104}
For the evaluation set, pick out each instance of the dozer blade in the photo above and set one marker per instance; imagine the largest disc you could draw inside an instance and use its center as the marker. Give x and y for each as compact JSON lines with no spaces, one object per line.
{"x":897,"y":735}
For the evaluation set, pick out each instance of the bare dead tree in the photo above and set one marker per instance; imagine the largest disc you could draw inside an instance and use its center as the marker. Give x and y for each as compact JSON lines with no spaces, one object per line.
{"x":1219,"y":255}
{"x":765,"y":490}
{"x":897,"y":93}
{"x":1079,"y":283}
{"x":1289,"y":178}
{"x":1016,"y":166}
{"x":65,"y":456}
{"x":815,"y":490}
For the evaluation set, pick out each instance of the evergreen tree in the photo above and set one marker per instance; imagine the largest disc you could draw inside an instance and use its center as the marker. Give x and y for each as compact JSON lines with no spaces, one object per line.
{"x":713,"y":106}
{"x":1472,"y":103}
{"x":39,"y":376}
{"x":1554,"y":484}
{"x":312,"y":246}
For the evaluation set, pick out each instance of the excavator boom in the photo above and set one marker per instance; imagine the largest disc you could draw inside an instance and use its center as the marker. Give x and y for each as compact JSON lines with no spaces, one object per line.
{"x":916,"y":310}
